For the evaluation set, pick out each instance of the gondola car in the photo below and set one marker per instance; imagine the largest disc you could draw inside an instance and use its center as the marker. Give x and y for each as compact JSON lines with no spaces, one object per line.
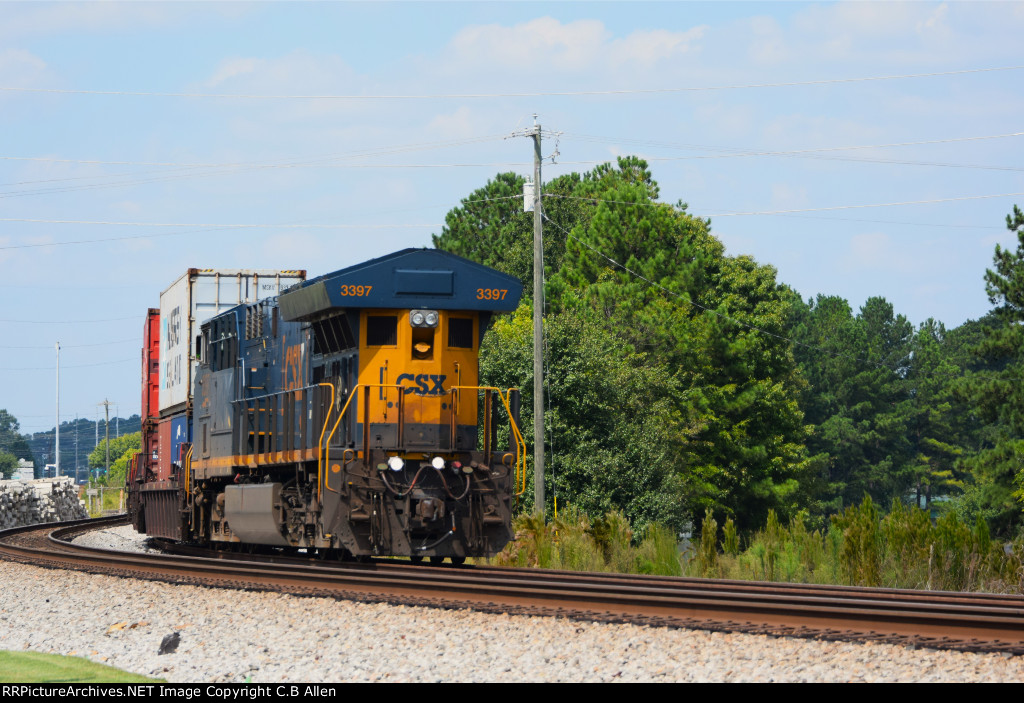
{"x":345,"y":417}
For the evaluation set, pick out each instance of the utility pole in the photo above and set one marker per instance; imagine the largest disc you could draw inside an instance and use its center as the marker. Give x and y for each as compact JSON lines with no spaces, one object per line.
{"x":538,"y":310}
{"x":538,"y":328}
{"x":57,"y":448}
{"x":106,"y":431}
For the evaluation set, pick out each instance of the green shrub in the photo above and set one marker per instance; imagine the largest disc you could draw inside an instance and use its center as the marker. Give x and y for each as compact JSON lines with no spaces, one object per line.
{"x":730,"y":538}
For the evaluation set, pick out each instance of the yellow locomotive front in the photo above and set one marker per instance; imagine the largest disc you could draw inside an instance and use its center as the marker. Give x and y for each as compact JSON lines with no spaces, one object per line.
{"x":426,"y":361}
{"x":411,"y":463}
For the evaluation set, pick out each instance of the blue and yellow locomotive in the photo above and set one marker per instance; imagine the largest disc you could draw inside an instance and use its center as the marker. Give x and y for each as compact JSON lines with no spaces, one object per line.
{"x":346,"y":416}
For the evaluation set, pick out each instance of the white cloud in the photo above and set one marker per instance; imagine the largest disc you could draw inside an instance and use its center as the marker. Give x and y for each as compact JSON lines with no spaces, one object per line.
{"x":573,"y":47}
{"x":543,"y":41}
{"x":455,"y":125}
{"x":21,"y":69}
{"x":768,"y":42}
{"x":872,"y":253}
{"x":232,"y":68}
{"x":728,"y":121}
{"x":297,"y":72}
{"x":787,"y":197}
{"x":809,"y":130}
{"x":650,"y":47}
{"x":918,"y":32}
{"x":47,"y":19}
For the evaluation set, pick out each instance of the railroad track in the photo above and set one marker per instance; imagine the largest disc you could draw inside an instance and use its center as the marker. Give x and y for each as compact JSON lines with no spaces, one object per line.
{"x":932,"y":619}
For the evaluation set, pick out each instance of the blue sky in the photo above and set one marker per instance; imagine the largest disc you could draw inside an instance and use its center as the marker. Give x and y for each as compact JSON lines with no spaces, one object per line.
{"x":376,"y":175}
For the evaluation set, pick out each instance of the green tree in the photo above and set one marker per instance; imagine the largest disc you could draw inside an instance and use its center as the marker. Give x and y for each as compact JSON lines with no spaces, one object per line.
{"x":8,"y":465}
{"x":609,"y":447}
{"x":121,"y":450}
{"x":491,"y":227}
{"x":665,"y":394}
{"x":936,"y":415}
{"x":857,"y":398}
{"x":996,"y":391}
{"x":11,"y":441}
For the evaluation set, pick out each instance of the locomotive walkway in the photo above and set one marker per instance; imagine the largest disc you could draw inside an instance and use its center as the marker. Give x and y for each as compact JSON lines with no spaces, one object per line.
{"x":933,"y":619}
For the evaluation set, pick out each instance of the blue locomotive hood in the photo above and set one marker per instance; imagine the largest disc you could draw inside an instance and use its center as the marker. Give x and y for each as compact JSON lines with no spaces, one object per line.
{"x":411,"y":278}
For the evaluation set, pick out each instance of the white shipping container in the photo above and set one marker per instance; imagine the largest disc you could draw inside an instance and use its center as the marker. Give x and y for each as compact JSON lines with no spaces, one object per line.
{"x":192,"y":300}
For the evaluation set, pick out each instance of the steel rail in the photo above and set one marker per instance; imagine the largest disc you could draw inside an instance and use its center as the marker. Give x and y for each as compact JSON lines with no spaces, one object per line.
{"x":956,"y":621}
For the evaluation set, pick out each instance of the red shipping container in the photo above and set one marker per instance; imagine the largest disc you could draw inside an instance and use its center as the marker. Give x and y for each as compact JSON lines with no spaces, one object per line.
{"x":150,"y":450}
{"x":151,"y":364}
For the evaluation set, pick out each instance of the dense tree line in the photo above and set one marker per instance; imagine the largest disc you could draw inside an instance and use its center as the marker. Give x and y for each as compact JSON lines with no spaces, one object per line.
{"x":38,"y":447}
{"x":681,"y":379}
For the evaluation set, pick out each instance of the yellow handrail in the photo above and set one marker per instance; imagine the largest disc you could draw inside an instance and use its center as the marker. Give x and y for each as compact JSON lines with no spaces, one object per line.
{"x":188,"y":478}
{"x":327,"y":421}
{"x":520,"y":477}
{"x":520,"y":442}
{"x":322,"y":463}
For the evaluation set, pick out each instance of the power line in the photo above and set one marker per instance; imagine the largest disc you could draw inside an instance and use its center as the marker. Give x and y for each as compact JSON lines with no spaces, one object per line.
{"x":75,"y":346}
{"x":535,"y":94}
{"x":796,"y":210}
{"x":855,"y":207}
{"x":296,"y":162}
{"x":223,"y":227}
{"x":896,"y":222}
{"x":964,"y":373}
{"x":211,"y":225}
{"x":803,"y":154}
{"x":281,"y":163}
{"x":326,"y":161}
{"x":76,"y":366}
{"x":213,"y":228}
{"x":69,"y":322}
{"x":213,"y":169}
{"x":720,"y":315}
{"x":755,"y":152}
{"x":510,"y":197}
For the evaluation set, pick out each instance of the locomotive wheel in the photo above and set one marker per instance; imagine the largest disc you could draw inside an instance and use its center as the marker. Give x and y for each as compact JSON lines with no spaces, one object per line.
{"x":436,"y":560}
{"x":416,"y":558}
{"x":458,"y":561}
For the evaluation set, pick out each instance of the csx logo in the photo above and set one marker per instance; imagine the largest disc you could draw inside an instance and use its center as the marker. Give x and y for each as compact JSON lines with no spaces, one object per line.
{"x":424,"y":384}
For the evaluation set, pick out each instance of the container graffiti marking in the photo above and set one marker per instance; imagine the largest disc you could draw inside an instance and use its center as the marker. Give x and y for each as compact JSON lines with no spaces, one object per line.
{"x":172,"y":335}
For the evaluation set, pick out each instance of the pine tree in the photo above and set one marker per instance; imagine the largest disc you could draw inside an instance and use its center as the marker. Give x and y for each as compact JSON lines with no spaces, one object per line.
{"x":997,"y":391}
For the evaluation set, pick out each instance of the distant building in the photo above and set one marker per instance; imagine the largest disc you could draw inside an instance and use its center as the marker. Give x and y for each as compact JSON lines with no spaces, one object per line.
{"x":26,"y":470}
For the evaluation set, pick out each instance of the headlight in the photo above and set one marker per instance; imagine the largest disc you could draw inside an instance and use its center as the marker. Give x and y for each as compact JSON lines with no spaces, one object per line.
{"x":437,"y":463}
{"x":395,"y":463}
{"x":423,"y":318}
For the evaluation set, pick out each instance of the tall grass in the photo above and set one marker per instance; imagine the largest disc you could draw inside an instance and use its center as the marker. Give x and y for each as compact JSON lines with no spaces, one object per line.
{"x":577,"y":543}
{"x":861,"y":547}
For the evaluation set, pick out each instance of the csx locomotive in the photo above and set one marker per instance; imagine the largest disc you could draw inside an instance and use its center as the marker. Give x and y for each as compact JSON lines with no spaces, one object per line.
{"x":343,"y":416}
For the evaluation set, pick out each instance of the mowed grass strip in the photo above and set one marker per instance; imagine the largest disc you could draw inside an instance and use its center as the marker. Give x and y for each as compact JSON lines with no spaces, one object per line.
{"x":35,"y":667}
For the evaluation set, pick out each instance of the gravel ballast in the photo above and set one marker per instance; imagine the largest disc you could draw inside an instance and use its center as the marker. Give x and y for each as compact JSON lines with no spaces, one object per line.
{"x":234,"y":636}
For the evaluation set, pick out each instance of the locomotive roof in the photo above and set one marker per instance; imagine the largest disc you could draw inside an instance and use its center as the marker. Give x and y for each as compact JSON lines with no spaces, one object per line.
{"x":411,"y":278}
